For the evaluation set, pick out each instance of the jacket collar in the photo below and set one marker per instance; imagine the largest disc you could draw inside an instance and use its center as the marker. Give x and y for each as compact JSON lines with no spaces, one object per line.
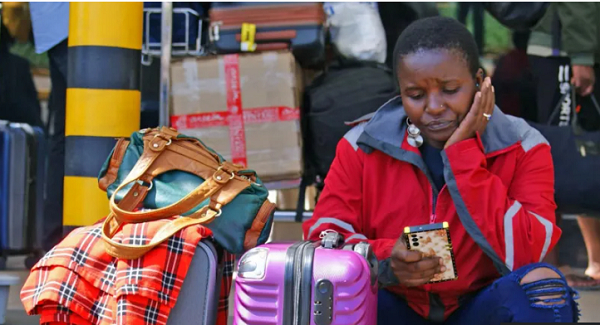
{"x":386,"y":131}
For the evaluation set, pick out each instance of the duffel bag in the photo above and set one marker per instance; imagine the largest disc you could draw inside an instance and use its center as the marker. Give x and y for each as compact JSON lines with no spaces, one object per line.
{"x":159,"y":173}
{"x":576,"y":158}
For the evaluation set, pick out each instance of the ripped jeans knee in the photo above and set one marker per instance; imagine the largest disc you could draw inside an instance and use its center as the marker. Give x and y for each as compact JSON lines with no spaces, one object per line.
{"x":546,"y":288}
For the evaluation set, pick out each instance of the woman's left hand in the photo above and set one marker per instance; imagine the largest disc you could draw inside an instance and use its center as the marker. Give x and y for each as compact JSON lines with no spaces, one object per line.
{"x":478,"y":116}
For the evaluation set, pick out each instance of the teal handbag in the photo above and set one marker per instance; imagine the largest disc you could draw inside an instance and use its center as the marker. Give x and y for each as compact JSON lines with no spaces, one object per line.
{"x":168,"y":174}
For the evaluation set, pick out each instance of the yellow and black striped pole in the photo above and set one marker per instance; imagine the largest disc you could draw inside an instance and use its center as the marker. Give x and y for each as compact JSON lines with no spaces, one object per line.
{"x":103,"y":99}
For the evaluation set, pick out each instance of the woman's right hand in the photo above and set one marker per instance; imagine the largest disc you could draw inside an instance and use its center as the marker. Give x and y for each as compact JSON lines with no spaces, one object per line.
{"x":411,"y":268}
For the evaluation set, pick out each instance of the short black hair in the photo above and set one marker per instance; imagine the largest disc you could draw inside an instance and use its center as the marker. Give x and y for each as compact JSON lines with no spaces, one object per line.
{"x":438,"y":33}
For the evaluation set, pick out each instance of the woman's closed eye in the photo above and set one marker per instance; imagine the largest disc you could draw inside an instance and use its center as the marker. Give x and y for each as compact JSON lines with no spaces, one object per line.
{"x":452,"y":90}
{"x":415,"y":94}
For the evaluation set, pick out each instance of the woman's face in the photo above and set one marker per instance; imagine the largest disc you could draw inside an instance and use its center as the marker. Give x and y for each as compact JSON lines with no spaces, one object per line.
{"x":437,"y":92}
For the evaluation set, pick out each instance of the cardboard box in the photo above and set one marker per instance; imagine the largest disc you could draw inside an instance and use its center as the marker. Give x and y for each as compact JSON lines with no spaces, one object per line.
{"x":245,"y":107}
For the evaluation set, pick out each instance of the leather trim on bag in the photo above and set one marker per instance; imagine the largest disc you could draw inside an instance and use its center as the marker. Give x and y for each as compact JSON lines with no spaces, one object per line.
{"x":258,"y":225}
{"x":114,"y":164}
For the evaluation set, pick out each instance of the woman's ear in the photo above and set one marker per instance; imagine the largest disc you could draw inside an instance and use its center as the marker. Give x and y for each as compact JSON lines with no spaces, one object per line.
{"x":479,"y":77}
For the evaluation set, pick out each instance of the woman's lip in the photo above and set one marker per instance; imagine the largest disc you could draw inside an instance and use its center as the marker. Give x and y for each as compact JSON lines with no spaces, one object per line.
{"x":440,"y":125}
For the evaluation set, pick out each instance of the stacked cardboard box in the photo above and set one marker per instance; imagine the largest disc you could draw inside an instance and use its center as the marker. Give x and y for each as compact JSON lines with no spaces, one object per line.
{"x":245,"y":106}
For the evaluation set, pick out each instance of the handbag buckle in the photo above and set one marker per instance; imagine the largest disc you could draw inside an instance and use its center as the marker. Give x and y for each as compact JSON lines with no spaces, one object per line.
{"x":164,"y":137}
{"x":218,"y":211}
{"x":219,"y":178}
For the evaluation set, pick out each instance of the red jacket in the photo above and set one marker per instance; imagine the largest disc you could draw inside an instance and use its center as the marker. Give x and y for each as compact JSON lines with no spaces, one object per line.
{"x":498,"y":200}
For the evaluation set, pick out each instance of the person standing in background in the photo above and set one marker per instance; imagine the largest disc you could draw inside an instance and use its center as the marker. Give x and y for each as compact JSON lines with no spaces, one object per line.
{"x":396,"y":16}
{"x":50,"y":22}
{"x":18,"y":96}
{"x":563,"y":51}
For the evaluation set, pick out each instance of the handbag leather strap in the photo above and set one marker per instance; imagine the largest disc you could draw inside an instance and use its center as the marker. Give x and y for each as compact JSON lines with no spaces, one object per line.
{"x":126,"y":251}
{"x":163,"y":152}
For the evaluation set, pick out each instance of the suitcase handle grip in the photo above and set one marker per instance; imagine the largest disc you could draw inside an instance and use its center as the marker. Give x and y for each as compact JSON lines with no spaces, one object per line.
{"x":272,"y":47}
{"x":265,"y":37}
{"x":332,"y":240}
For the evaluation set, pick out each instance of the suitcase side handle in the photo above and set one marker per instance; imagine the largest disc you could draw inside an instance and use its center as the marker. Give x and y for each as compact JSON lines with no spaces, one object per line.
{"x":265,"y":37}
{"x":331,"y":240}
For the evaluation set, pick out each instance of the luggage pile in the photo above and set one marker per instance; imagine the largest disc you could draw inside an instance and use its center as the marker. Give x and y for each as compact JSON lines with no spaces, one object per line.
{"x":176,"y":207}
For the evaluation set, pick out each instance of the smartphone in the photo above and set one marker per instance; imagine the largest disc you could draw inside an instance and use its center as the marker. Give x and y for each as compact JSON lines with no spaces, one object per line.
{"x":433,"y":240}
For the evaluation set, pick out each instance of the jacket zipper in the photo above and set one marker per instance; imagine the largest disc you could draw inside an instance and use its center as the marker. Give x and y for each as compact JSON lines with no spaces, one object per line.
{"x":434,"y":198}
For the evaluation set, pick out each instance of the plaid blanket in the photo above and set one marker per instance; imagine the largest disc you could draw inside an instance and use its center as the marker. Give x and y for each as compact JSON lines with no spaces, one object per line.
{"x":77,"y":282}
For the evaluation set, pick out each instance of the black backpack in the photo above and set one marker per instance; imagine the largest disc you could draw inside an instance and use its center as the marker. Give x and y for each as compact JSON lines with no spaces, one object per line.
{"x":344,"y":92}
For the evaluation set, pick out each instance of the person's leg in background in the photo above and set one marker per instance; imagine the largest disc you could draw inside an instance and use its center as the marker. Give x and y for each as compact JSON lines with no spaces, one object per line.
{"x":590,"y":226}
{"x":548,"y":74}
{"x":590,"y":229}
{"x":478,"y":26}
{"x":53,"y":205}
{"x":393,"y":310}
{"x":395,"y":17}
{"x":462,"y":11}
{"x":535,"y":293}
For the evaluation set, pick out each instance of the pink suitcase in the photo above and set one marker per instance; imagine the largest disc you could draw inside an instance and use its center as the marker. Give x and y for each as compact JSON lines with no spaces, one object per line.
{"x":307,"y":283}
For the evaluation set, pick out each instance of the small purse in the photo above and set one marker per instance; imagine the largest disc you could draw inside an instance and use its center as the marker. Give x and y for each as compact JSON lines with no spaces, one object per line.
{"x":171,"y":174}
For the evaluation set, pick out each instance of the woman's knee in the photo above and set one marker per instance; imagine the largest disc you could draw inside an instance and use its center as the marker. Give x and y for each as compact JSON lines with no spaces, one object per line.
{"x":539,"y":273}
{"x":544,"y":285}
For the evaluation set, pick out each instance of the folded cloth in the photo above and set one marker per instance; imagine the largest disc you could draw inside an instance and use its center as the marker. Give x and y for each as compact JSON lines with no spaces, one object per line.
{"x":77,"y":282}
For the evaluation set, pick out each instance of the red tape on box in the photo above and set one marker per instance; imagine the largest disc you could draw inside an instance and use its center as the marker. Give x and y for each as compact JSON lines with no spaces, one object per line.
{"x":235,"y":117}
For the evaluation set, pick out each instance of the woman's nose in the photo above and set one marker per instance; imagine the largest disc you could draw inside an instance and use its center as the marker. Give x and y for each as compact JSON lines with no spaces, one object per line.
{"x":435,"y":106}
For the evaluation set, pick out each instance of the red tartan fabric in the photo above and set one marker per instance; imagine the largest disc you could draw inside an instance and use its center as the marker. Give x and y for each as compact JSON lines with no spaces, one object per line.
{"x":77,"y":282}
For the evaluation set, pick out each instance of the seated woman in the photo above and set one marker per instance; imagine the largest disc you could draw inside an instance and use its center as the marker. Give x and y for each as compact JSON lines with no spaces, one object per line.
{"x":444,"y":153}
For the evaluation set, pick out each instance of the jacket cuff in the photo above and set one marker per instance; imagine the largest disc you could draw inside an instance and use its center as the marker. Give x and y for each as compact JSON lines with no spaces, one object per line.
{"x":582,"y":59}
{"x":386,"y":276}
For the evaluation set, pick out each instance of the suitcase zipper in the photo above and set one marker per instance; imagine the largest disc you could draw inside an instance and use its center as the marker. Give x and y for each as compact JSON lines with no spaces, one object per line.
{"x":297,"y":281}
{"x":289,"y":305}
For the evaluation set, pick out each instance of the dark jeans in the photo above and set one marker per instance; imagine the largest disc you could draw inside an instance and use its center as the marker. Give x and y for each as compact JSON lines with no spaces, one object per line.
{"x":53,"y":206}
{"x":505,"y":301}
{"x":552,"y":76}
